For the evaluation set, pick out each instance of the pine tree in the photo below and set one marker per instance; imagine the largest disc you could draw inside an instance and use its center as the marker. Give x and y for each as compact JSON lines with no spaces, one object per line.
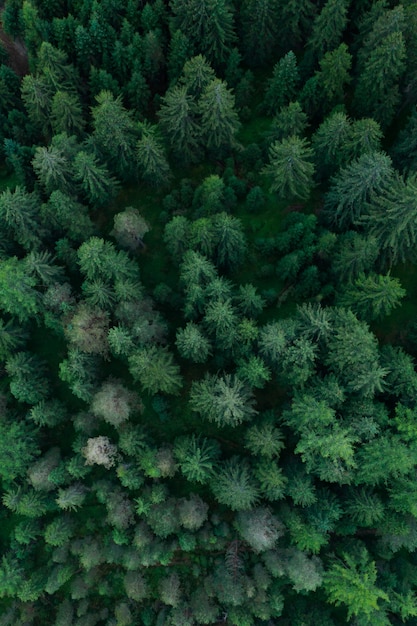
{"x":224,"y":400}
{"x":290,"y":168}
{"x":330,"y":143}
{"x":352,"y":582}
{"x":115,"y":133}
{"x":178,"y":118}
{"x":197,"y":75}
{"x":352,"y":188}
{"x":192,"y":343}
{"x":282,"y":87}
{"x":377,"y":92}
{"x":355,"y":254}
{"x":197,"y":457}
{"x":233,"y":485}
{"x":328,"y":27}
{"x":208,"y":24}
{"x":53,"y":170}
{"x":289,"y":121}
{"x":219,"y":120}
{"x":372,"y":296}
{"x":260,"y":25}
{"x":95,"y":180}
{"x":334,"y":74}
{"x":37,"y":97}
{"x":66,"y":113}
{"x":392,"y":219}
{"x":19,"y":214}
{"x":155,"y":369}
{"x":152,"y":162}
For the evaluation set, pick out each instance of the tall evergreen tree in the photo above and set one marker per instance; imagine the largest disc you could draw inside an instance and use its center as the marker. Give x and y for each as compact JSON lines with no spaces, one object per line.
{"x":282,"y":86}
{"x":208,"y":24}
{"x":178,"y":119}
{"x":290,"y":168}
{"x":219,"y":120}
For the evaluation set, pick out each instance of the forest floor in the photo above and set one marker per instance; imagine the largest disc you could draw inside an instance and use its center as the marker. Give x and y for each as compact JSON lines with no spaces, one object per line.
{"x":16,"y":51}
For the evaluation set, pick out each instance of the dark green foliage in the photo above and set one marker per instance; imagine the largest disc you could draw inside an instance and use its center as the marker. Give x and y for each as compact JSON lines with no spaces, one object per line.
{"x":219,"y":120}
{"x":156,"y":371}
{"x":373,"y":296}
{"x":214,"y":36}
{"x":355,"y":185}
{"x":233,"y":486}
{"x":290,"y":168}
{"x":282,"y":87}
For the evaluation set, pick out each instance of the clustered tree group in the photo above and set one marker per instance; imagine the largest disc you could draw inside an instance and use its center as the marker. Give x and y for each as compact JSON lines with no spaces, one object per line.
{"x":205,"y":208}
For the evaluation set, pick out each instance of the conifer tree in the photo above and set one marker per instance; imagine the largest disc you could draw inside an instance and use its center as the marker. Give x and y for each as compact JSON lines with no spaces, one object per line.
{"x":66,"y":113}
{"x":290,"y":168}
{"x":219,"y":120}
{"x":260,"y":25}
{"x":233,"y":485}
{"x":225,"y":400}
{"x":282,"y":87}
{"x":152,"y":162}
{"x":208,"y":24}
{"x":353,"y":187}
{"x":94,"y":179}
{"x":392,"y":219}
{"x":115,"y":133}
{"x":53,"y":170}
{"x":178,"y":118}
{"x":372,"y":296}
{"x":155,"y":369}
{"x":328,"y":27}
{"x":352,"y":582}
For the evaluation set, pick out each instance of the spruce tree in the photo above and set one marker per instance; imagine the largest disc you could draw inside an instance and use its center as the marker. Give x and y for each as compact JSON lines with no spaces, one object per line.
{"x":282,"y":87}
{"x":219,"y":120}
{"x":290,"y":168}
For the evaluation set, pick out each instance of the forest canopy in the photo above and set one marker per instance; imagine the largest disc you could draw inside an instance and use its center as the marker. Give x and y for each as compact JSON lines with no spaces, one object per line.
{"x":208,"y":301}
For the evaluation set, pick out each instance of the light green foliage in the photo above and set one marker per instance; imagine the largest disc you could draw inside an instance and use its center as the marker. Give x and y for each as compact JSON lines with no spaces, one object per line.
{"x":352,"y":582}
{"x":197,"y":457}
{"x":155,"y":369}
{"x":192,"y":343}
{"x":353,"y":344}
{"x":12,"y":337}
{"x":282,"y":87}
{"x":28,"y":381}
{"x":253,"y":371}
{"x":264,"y":439}
{"x":225,"y":400}
{"x":372,"y":296}
{"x":53,"y":169}
{"x":19,"y":214}
{"x":354,"y":186}
{"x":290,"y":168}
{"x":219,"y":120}
{"x":59,"y":531}
{"x":233,"y":485}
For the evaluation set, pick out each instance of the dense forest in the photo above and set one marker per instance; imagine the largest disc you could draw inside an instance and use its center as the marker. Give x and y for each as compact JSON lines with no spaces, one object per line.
{"x":208,"y":312}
